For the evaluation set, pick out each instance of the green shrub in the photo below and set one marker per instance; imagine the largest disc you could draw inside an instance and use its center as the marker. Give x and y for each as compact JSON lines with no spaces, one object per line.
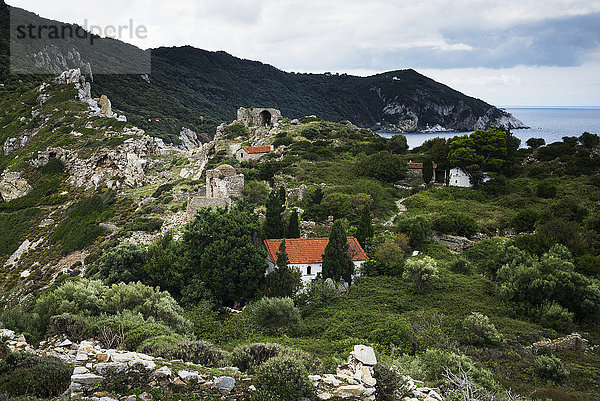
{"x":22,"y":373}
{"x":417,"y":228}
{"x":546,"y":189}
{"x":525,"y":220}
{"x":200,"y":352}
{"x":318,"y":292}
{"x":283,"y":378}
{"x":156,"y":346}
{"x":550,"y":367}
{"x":74,"y":327}
{"x":162,"y":189}
{"x":137,"y":336}
{"x":478,"y":330}
{"x":309,"y":133}
{"x":422,"y":272}
{"x":556,"y":317}
{"x":461,"y":266}
{"x":249,"y":357}
{"x":382,"y":166}
{"x":455,"y":223}
{"x":14,"y":226}
{"x":389,"y":382}
{"x":122,"y":263}
{"x":278,"y":314}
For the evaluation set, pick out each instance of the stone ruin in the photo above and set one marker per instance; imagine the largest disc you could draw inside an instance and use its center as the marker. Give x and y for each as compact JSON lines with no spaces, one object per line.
{"x":259,"y":116}
{"x":223,"y":185}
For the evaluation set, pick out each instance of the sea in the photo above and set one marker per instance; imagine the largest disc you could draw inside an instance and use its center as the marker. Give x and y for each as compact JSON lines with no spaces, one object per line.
{"x":550,"y":123}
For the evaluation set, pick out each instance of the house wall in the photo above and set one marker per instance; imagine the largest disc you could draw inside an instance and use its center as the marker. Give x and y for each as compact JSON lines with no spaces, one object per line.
{"x":242,"y":155}
{"x":315,"y":268}
{"x":458,"y":178}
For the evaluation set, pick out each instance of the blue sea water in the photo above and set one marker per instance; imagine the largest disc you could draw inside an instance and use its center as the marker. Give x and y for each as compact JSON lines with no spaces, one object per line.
{"x":549,"y":123}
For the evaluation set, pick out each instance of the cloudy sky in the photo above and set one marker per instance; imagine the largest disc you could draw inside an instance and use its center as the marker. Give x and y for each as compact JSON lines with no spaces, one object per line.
{"x":513,"y":52}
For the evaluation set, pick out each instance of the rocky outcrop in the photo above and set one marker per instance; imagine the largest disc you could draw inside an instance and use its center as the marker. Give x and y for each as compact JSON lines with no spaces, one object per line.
{"x":13,"y":186}
{"x":572,"y":342}
{"x":189,"y":139}
{"x":99,"y":107}
{"x":124,"y":166}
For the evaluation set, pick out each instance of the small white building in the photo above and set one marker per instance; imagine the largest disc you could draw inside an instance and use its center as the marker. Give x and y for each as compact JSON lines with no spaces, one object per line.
{"x":306,"y":254}
{"x":251,"y":153}
{"x":458,"y":178}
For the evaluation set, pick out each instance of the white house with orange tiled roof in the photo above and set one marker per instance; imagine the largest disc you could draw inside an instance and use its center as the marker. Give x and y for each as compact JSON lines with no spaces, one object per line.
{"x":251,"y":153}
{"x":306,"y":254}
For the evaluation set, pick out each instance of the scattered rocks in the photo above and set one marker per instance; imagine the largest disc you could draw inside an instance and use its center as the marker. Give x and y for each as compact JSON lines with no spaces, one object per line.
{"x":226,"y":383}
{"x":573,"y":341}
{"x":13,"y":186}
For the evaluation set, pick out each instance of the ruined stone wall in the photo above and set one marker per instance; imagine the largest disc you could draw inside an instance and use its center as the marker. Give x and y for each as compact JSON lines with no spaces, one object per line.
{"x":253,"y":116}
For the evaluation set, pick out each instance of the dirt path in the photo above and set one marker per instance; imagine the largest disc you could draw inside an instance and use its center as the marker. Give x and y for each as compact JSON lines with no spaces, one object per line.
{"x":401,"y":209}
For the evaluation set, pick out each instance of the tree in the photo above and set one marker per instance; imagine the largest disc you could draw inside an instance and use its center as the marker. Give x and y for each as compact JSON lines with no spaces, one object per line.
{"x":382,"y":166}
{"x":422,"y":272}
{"x":221,"y":253}
{"x":122,"y":263}
{"x":293,"y":230}
{"x":365,"y":231}
{"x":589,"y":140}
{"x":535,"y":143}
{"x":397,"y":144}
{"x":273,"y":226}
{"x":427,"y":171}
{"x":162,"y":267}
{"x":336,"y":259}
{"x":417,"y":228}
{"x":283,"y":281}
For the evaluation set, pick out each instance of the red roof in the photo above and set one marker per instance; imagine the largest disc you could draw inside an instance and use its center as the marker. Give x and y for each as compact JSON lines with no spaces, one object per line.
{"x":257,"y":149}
{"x":415,"y":165}
{"x":310,"y":250}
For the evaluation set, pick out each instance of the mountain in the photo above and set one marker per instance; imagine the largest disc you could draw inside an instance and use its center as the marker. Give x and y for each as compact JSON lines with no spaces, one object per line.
{"x":197,"y":88}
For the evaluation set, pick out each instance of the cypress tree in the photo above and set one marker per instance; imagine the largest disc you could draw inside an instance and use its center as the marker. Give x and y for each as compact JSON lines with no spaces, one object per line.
{"x":336,"y":259}
{"x":273,"y":226}
{"x":365,"y":230}
{"x":294,"y":225}
{"x":282,"y":256}
{"x":427,"y":171}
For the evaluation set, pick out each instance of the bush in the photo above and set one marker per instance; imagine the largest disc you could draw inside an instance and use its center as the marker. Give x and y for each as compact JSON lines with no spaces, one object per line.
{"x":283,"y":378}
{"x":382,"y":166}
{"x":319,"y":292}
{"x":249,"y":357}
{"x":22,"y":373}
{"x":546,"y":189}
{"x":455,"y":223}
{"x":478,"y":330}
{"x":122,"y":263}
{"x":74,"y":327}
{"x":389,"y":382}
{"x":418,"y":229}
{"x":550,"y":367}
{"x":200,"y":352}
{"x":554,"y":316}
{"x":310,"y":133}
{"x":135,"y":337}
{"x":422,"y":272}
{"x":461,"y":266}
{"x":278,"y":314}
{"x":525,"y":220}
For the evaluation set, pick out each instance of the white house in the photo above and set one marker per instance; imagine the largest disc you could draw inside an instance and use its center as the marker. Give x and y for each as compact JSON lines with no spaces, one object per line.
{"x":251,"y":153}
{"x":306,"y":254}
{"x":458,"y":178}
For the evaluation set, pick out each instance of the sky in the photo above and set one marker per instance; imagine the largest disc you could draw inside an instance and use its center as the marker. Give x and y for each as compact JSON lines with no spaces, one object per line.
{"x":508,"y":53}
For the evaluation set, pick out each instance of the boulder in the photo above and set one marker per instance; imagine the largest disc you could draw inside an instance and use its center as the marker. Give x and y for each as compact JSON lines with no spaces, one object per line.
{"x":365,"y":355}
{"x":225,"y":383}
{"x":13,"y":186}
{"x":355,"y":390}
{"x":88,"y":379}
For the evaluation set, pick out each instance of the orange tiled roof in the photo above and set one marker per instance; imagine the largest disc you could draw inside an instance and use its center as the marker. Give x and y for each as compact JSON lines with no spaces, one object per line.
{"x":415,"y":165}
{"x":257,"y":149}
{"x":310,"y":250}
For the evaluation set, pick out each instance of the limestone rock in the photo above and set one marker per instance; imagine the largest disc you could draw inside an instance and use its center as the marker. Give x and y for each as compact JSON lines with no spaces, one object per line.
{"x":86,"y":379}
{"x":365,"y":355}
{"x":13,"y":186}
{"x":225,"y":383}
{"x":349,"y":391}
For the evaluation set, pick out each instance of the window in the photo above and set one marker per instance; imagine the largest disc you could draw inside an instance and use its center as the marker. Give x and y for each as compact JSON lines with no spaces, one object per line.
{"x":308,"y":270}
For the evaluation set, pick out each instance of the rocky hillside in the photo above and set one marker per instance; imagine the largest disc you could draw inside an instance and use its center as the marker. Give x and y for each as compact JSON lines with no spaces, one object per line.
{"x":197,"y":88}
